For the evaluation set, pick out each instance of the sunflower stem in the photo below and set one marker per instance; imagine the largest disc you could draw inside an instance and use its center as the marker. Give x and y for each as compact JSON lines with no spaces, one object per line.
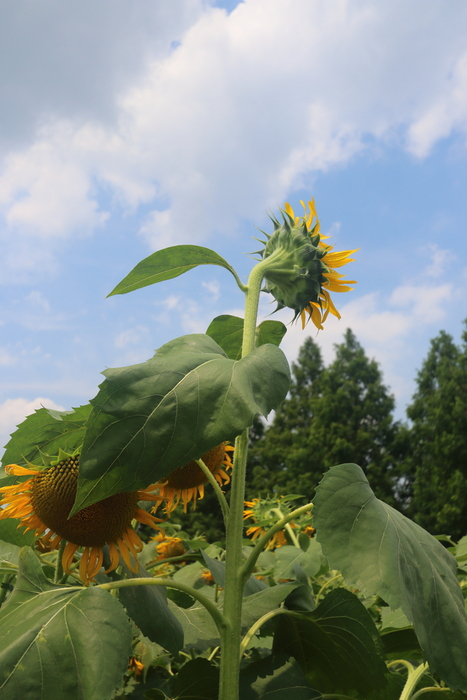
{"x":218,"y":491}
{"x":221,"y":622}
{"x":257,"y":625}
{"x":58,"y":564}
{"x":234,"y":578}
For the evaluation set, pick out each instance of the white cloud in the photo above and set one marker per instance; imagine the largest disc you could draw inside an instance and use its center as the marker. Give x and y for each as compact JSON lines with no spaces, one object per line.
{"x":232,"y":119}
{"x":132,"y":336}
{"x":14,"y":411}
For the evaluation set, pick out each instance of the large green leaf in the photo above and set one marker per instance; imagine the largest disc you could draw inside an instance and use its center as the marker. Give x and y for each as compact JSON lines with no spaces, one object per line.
{"x":199,"y":628}
{"x":382,"y":552}
{"x":169,"y":263}
{"x":276,"y":678}
{"x":227,"y":331}
{"x":196,"y":680}
{"x":46,"y":430}
{"x":258,"y":604}
{"x":9,"y":532}
{"x":337,"y":644}
{"x":151,"y":418}
{"x":58,"y":642}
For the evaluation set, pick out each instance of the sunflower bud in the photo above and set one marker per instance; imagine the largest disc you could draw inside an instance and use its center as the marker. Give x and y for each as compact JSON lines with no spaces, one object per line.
{"x":300,"y":267}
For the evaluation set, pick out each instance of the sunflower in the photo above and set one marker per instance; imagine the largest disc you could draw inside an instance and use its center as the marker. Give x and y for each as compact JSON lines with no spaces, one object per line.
{"x":254,"y":511}
{"x":187,"y":482}
{"x":168,"y":547}
{"x":319,"y":309}
{"x":44,"y":501}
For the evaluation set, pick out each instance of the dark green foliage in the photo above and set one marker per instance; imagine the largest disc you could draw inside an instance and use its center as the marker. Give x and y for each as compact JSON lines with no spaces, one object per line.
{"x":334,"y":414}
{"x":383,"y":553}
{"x":436,"y":468}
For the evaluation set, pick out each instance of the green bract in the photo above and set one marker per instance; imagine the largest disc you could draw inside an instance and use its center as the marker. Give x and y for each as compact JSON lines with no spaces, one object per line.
{"x":295,"y":271}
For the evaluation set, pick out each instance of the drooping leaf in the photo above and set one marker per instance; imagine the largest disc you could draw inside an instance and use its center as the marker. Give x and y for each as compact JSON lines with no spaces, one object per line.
{"x":382,"y":552}
{"x":276,"y":678}
{"x":227,"y":331}
{"x":147,"y":606}
{"x":9,"y":532}
{"x":168,"y":263}
{"x":60,"y":642}
{"x":151,"y":418}
{"x":197,"y":680}
{"x":46,"y":430}
{"x":337,"y":644}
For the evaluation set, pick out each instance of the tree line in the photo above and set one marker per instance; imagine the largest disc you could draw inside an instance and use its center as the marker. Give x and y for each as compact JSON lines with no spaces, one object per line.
{"x":344,"y":413}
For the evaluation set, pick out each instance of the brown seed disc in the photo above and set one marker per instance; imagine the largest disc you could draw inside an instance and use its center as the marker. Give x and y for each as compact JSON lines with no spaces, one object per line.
{"x":53,"y":494}
{"x":190,"y":475}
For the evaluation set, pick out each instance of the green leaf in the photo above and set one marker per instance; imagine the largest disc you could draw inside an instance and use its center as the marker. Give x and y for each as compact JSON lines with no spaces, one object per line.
{"x":287,"y":556}
{"x":60,"y":642}
{"x":217,"y":569}
{"x":381,"y":552}
{"x":276,"y":678}
{"x":227,"y":331}
{"x":169,"y":263}
{"x":393,"y":619}
{"x":270,"y":332}
{"x":337,"y":644}
{"x":198,"y":626}
{"x":197,"y":680}
{"x":401,"y":641}
{"x":258,"y":604}
{"x":151,"y":418}
{"x":46,"y":430}
{"x":147,"y":606}
{"x":302,"y":597}
{"x":9,"y":532}
{"x":9,"y":553}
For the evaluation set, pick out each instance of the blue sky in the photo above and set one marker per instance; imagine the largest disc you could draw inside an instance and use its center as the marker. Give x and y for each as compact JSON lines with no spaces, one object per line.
{"x":131,"y":126}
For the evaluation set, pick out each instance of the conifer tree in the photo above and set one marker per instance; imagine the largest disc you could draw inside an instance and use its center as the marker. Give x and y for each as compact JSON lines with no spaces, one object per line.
{"x":437,"y":463}
{"x":333,"y":415}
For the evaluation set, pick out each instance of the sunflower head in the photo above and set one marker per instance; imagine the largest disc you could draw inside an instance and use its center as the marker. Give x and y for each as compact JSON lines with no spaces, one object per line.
{"x":43,"y":502}
{"x":266,"y":512}
{"x":187,"y":483}
{"x":300,"y":267}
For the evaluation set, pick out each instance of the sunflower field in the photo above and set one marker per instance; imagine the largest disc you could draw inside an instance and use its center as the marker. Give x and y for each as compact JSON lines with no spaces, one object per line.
{"x":103,"y":597}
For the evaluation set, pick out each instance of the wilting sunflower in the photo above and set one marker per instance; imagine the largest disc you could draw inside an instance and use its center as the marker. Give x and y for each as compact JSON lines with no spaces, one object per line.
{"x":302,"y":269}
{"x":168,"y":547}
{"x":187,"y":483}
{"x":43,"y":503}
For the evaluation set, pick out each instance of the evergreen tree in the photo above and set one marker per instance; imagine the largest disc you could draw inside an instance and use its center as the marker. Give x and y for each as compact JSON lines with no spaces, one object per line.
{"x":436,"y":467}
{"x":333,"y":415}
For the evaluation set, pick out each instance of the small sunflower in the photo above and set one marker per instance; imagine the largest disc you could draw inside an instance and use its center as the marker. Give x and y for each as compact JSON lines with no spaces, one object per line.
{"x":266,"y":512}
{"x":301,"y":271}
{"x":255,"y":510}
{"x":187,"y":483}
{"x":44,"y":501}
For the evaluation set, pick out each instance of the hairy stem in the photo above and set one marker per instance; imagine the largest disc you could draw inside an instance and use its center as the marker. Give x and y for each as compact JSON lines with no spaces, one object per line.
{"x":234,"y":576}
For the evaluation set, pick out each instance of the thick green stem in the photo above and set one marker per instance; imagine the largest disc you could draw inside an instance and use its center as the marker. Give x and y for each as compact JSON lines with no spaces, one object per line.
{"x":412,"y":681}
{"x":432,"y":689}
{"x":221,"y":623}
{"x":218,"y":491}
{"x":234,"y":575}
{"x":249,"y":565}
